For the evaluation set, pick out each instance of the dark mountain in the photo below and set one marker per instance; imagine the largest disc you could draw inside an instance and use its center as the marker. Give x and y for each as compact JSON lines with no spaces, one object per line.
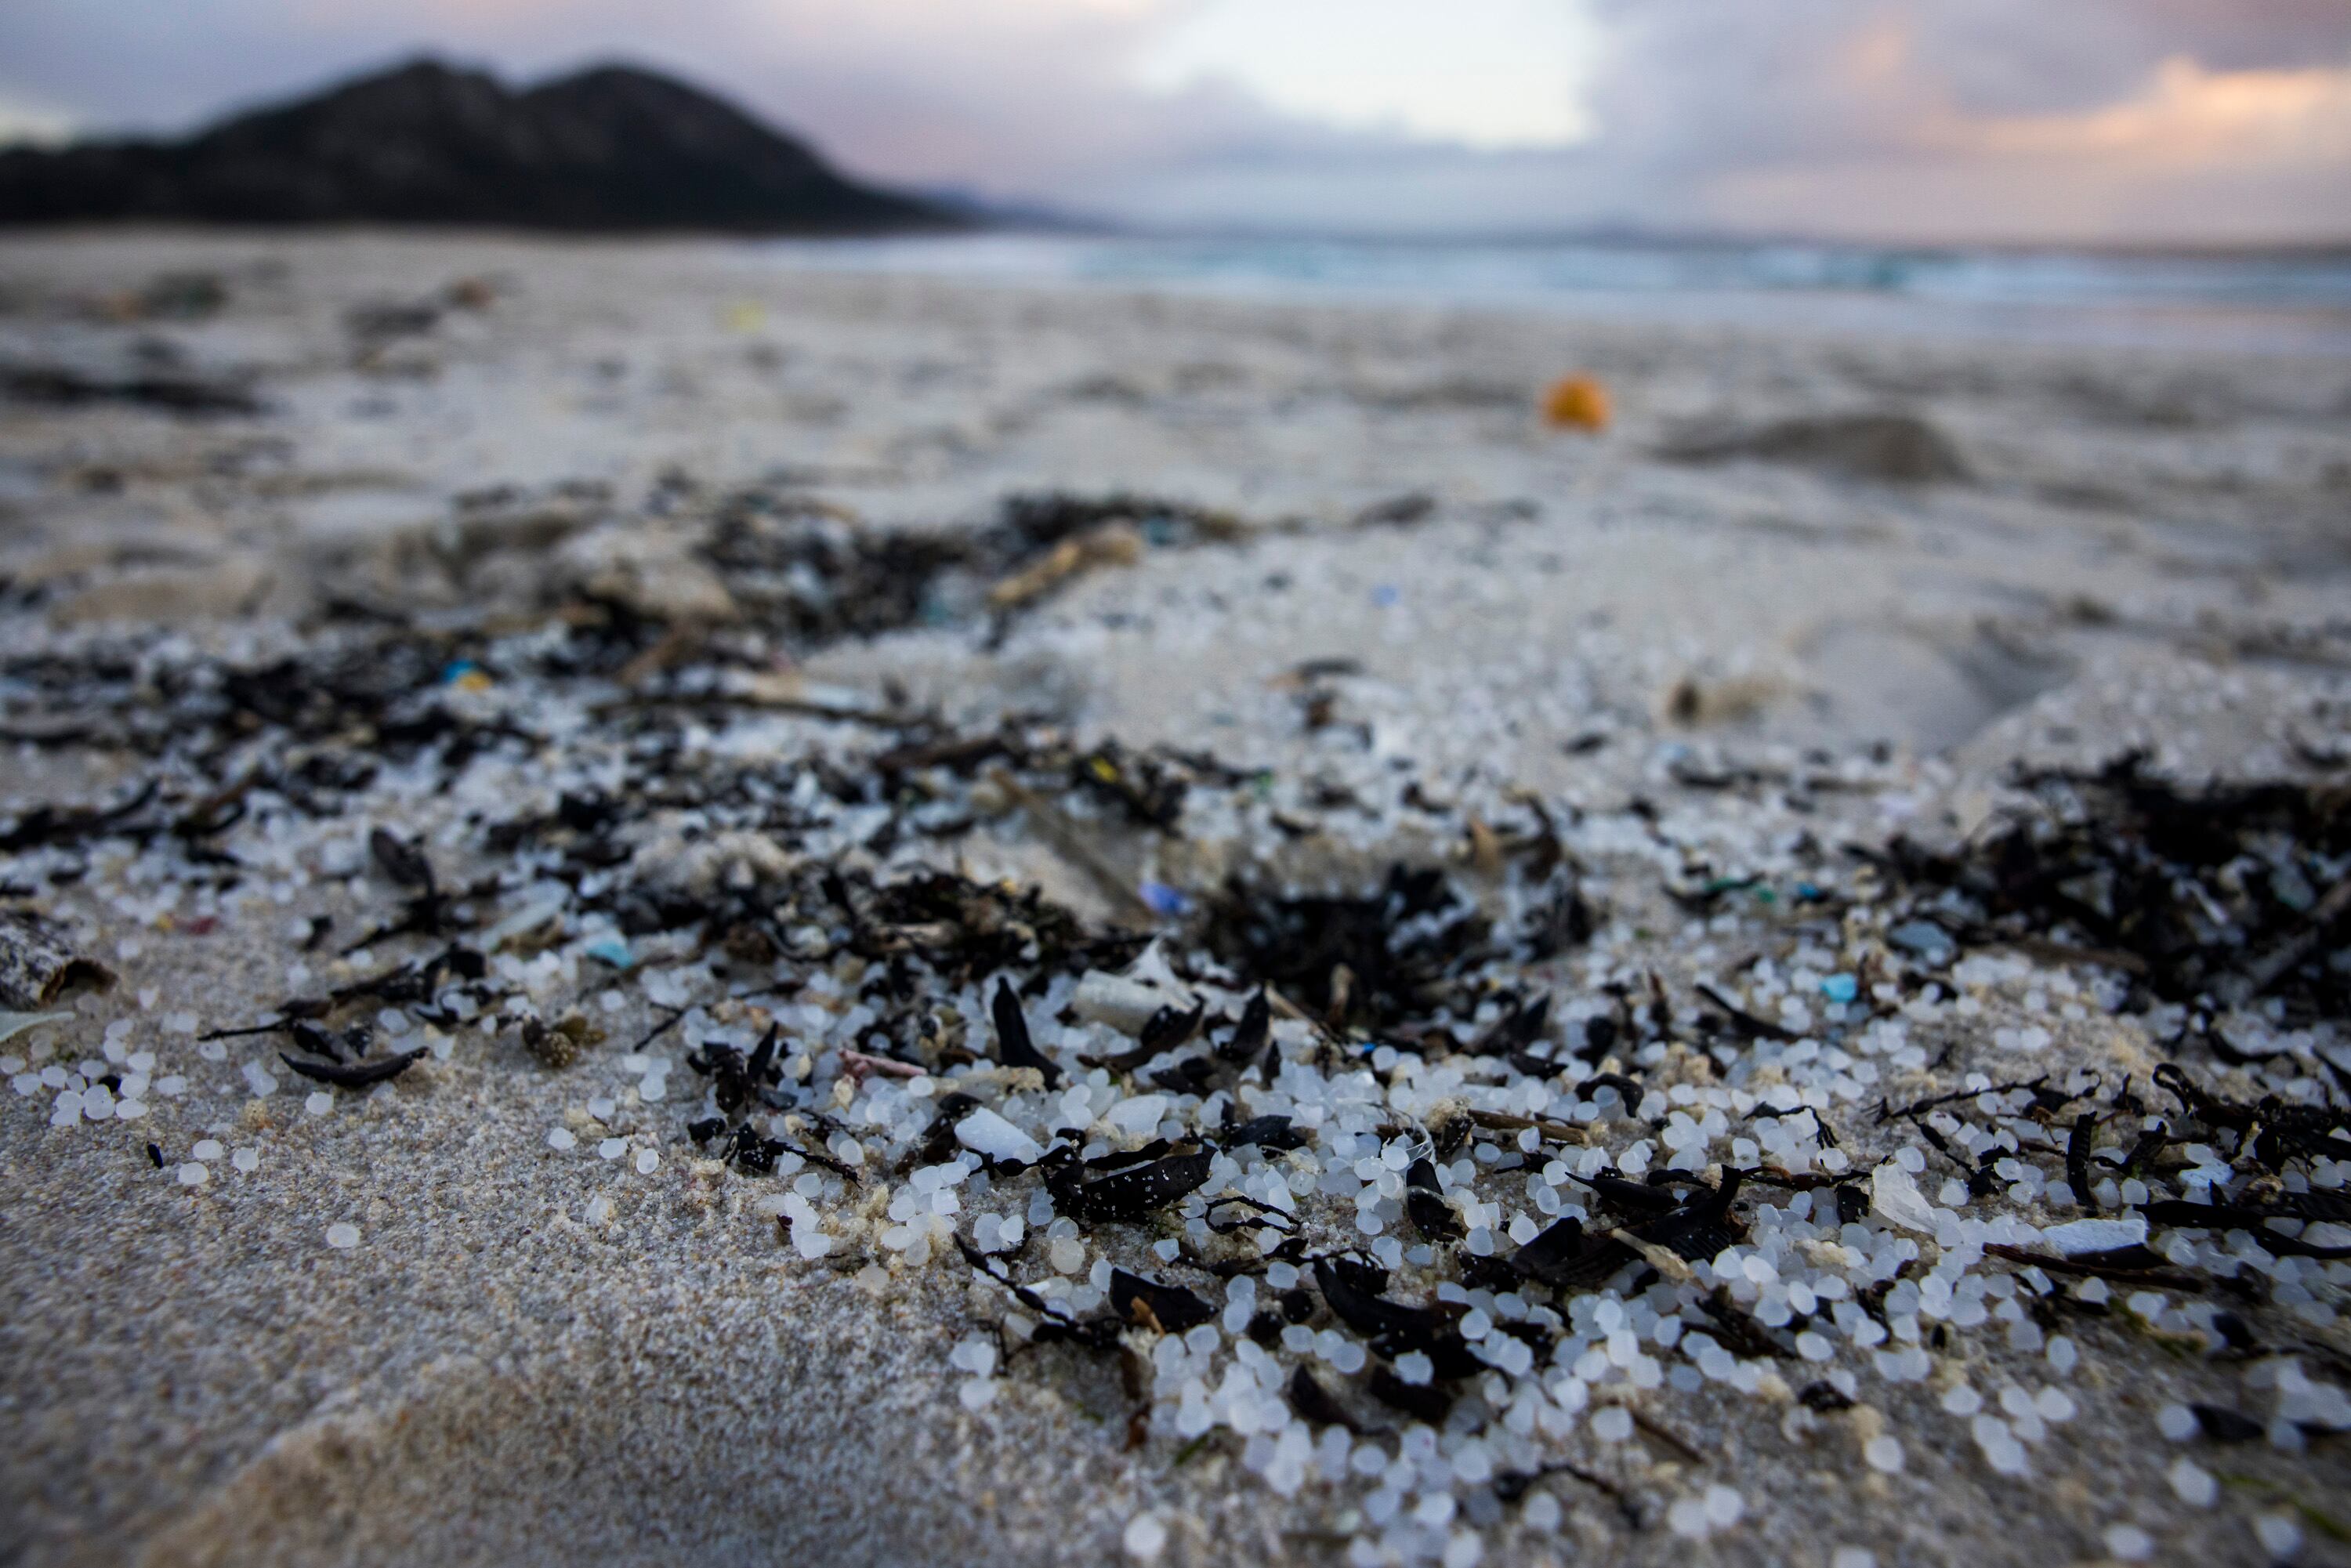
{"x":612,"y":149}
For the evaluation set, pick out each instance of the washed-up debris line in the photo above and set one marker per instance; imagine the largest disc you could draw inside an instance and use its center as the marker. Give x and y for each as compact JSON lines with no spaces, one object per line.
{"x":1454,"y":1194}
{"x":168,"y":390}
{"x":2224,"y":895}
{"x":807,"y":566}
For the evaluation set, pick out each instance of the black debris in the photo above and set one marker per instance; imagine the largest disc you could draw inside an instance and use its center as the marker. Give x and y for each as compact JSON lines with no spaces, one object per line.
{"x":2187,"y":892}
{"x":1013,"y":1046}
{"x":1317,"y":1405}
{"x":2225,"y":1426}
{"x":1129,"y":1194}
{"x":359,"y":1076}
{"x":1170,"y":1308}
{"x":1424,"y":1205}
{"x":1272,"y":1133}
{"x":1428,"y":1402}
{"x":1824,"y":1398}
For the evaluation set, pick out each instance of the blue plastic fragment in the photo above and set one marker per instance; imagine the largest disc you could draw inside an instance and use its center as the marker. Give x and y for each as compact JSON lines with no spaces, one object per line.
{"x":612,"y":950}
{"x":1163,"y":899}
{"x":1840,"y":987}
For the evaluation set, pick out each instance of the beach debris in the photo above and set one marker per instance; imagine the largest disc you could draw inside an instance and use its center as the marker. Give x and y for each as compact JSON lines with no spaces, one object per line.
{"x":1396,"y":511}
{"x":1109,"y":544}
{"x":38,"y":962}
{"x":989,"y":1135}
{"x":179,"y":295}
{"x":1139,"y":1183}
{"x":1013,"y":1046}
{"x":1697,"y":702}
{"x":1448,"y":1142}
{"x":167,"y":392}
{"x":1894,"y":448}
{"x":559,"y":1045}
{"x":2224,"y":891}
{"x":1037,"y":521}
{"x":807,"y":567}
{"x":1894,"y":1192}
{"x":1577,"y":402}
{"x":1424,"y":1205}
{"x":1167,"y":1309}
{"x":13,"y":1024}
{"x":1316,"y":1405}
{"x":1352,"y":1288}
{"x":1382,"y":960}
{"x":2080,"y":1236}
{"x":385,"y":320}
{"x":360,"y":1074}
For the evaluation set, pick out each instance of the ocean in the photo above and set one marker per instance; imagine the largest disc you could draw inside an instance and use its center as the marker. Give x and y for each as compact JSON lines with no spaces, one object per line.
{"x":2269,"y":303}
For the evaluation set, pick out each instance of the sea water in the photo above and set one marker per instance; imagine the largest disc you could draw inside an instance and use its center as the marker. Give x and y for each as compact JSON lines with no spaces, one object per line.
{"x":2268,"y":302}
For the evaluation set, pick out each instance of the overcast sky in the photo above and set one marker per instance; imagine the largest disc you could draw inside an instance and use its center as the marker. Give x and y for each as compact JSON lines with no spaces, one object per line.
{"x":1933,"y":119}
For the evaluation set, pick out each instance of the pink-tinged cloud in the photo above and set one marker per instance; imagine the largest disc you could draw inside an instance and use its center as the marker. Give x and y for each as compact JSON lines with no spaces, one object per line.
{"x":1936,"y":120}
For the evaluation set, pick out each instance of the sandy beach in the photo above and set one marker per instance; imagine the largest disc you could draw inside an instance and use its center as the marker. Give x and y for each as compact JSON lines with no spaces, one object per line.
{"x":590,"y":636}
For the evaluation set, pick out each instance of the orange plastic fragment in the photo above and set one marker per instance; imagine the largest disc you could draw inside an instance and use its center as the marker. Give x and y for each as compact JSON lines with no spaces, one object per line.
{"x":1576,"y":402}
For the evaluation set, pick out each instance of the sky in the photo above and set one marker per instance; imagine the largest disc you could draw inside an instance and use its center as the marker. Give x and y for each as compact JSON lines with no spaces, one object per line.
{"x":2132,"y":121}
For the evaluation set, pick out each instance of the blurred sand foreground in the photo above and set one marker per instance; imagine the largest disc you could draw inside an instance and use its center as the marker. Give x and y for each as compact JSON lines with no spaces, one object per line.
{"x":2079,"y":552}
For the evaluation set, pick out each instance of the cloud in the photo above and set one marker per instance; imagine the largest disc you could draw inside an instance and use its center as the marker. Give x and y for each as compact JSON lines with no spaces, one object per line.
{"x":2221,"y":119}
{"x":1486,"y":74}
{"x":1938,"y":119}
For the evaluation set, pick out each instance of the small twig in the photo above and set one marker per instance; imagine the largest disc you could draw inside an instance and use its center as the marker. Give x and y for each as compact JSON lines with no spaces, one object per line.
{"x":857,"y":1065}
{"x":658,"y":1029}
{"x":2274,"y":965}
{"x":1292,"y":1012}
{"x":1665,"y":1435}
{"x":2163,"y":1278}
{"x":1509,"y":1122}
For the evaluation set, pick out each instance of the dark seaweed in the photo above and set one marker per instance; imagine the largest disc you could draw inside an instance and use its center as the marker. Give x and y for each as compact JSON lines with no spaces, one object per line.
{"x":59,"y":386}
{"x":1258,"y":1215}
{"x":1013,"y":1046}
{"x":1739,"y":1330}
{"x":736,"y":1078}
{"x":1428,"y":1402}
{"x":2225,"y":1426}
{"x":401,"y":861}
{"x":1269,"y":1131}
{"x":1424,"y":1205}
{"x":1130,"y":1194}
{"x":1824,"y":1397}
{"x":2182,"y":889}
{"x":1565,"y":1257}
{"x":2274,"y":1130}
{"x":1317,"y":1405}
{"x":1171,"y":1309}
{"x":1392,"y":976}
{"x":1746,"y":1025}
{"x":359,"y":1076}
{"x":1247,"y":1040}
{"x":1352,"y":1288}
{"x":1515,"y":1031}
